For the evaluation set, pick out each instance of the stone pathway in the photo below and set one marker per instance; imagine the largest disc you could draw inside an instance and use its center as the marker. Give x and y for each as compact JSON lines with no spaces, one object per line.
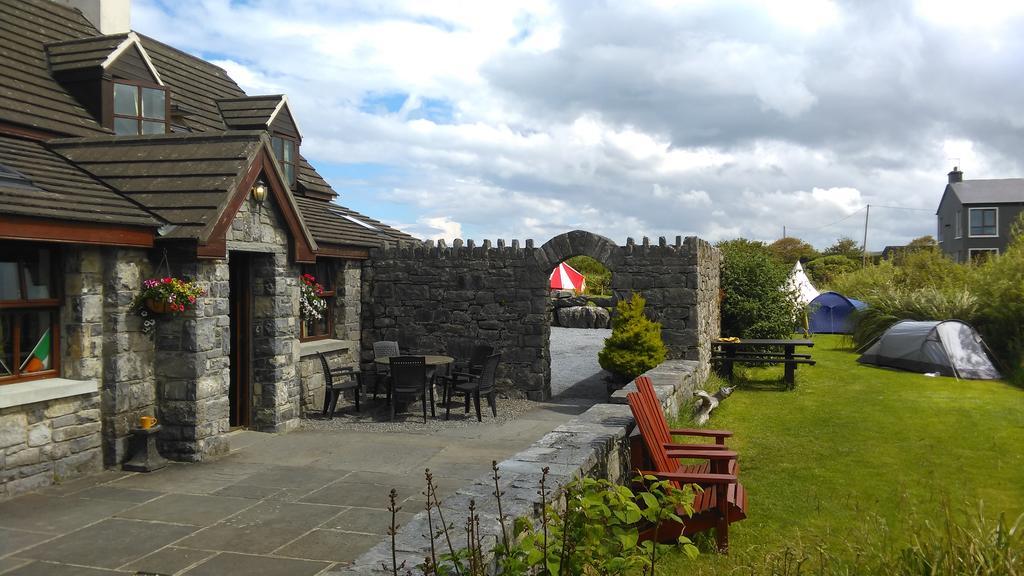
{"x":293,"y":504}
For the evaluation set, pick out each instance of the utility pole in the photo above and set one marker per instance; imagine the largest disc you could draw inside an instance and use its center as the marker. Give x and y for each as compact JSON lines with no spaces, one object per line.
{"x":783,"y":230}
{"x":866,"y":214}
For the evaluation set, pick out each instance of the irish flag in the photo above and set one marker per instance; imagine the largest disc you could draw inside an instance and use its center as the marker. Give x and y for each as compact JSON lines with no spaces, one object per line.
{"x":39,"y":358}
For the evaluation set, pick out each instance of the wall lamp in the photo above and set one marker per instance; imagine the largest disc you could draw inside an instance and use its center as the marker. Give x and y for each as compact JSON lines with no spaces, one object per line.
{"x":259,"y":192}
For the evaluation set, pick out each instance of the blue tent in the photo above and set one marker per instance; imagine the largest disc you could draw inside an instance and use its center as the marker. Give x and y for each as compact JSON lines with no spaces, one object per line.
{"x":829,"y":313}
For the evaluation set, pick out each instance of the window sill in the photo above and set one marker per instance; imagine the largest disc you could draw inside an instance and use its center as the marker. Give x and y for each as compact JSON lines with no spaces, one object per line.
{"x":34,"y":391}
{"x":312,"y":347}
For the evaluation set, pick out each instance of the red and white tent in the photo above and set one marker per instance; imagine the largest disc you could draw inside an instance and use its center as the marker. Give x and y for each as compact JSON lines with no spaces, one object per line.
{"x":564,"y":277}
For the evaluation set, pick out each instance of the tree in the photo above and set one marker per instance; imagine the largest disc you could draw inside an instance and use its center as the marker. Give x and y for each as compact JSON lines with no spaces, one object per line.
{"x":827,"y":268}
{"x":754,"y":304}
{"x":923,"y":242}
{"x":635,"y":345}
{"x":791,"y":249}
{"x":845,"y":246}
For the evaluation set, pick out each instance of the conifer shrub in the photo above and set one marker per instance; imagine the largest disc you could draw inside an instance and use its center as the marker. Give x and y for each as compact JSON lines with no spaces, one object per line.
{"x":635,"y":345}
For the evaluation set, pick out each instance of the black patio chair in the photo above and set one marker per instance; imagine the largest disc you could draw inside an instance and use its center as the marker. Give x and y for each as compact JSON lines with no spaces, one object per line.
{"x":409,"y":379}
{"x":336,"y":381}
{"x":464,"y":371}
{"x":383,"y":349}
{"x":476,"y":386}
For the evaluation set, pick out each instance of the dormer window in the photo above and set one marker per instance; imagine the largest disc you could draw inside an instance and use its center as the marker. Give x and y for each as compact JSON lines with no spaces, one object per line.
{"x":139,"y":109}
{"x":286,"y":151}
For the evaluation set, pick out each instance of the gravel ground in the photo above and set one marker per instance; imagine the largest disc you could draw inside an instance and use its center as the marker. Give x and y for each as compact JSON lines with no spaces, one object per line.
{"x":575,"y":374}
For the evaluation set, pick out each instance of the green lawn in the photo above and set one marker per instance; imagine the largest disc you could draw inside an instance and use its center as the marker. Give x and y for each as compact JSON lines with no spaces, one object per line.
{"x":853,"y":448}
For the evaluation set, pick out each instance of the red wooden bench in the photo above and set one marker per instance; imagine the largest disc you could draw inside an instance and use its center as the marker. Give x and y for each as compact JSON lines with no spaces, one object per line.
{"x":723,"y":499}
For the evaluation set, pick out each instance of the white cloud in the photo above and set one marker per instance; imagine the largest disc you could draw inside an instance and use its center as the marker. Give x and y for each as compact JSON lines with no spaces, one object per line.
{"x":717,"y":118}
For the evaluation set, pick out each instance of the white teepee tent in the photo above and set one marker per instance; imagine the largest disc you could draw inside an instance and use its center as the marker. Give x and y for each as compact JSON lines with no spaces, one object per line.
{"x":800,"y":284}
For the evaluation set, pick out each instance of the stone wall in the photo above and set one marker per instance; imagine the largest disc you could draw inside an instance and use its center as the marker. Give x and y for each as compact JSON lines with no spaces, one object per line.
{"x":445,"y":299}
{"x":596,"y":443}
{"x":46,"y":442}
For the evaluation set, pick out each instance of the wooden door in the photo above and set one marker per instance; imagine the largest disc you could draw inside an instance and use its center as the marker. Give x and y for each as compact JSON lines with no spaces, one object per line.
{"x":240,"y":302}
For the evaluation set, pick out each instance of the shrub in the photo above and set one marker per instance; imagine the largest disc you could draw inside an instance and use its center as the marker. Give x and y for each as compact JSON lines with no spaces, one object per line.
{"x":999,"y":284}
{"x":907,"y":271}
{"x":599,"y":278}
{"x":754,"y":305}
{"x":885,"y":309}
{"x":790,"y":250}
{"x":827,"y":268}
{"x":635,"y":345}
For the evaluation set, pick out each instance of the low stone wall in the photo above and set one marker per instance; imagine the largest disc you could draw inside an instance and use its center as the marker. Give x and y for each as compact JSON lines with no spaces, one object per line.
{"x":46,"y":442}
{"x":595,"y":443}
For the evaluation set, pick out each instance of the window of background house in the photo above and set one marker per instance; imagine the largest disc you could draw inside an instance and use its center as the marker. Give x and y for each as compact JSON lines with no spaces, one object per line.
{"x":286,"y":151}
{"x":139,"y":109}
{"x":29,"y":312}
{"x":958,"y":226}
{"x":983,"y":221}
{"x":324,"y":327}
{"x":979,"y":255}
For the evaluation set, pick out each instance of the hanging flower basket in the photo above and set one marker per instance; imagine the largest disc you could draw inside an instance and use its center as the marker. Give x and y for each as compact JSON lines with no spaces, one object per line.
{"x":312,"y":303}
{"x":167,"y":295}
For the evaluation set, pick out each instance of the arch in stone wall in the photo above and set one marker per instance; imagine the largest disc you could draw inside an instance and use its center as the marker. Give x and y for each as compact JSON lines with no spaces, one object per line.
{"x":580,"y":243}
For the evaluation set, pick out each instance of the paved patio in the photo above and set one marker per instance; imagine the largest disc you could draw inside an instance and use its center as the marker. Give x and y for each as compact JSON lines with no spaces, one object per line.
{"x":278,"y":504}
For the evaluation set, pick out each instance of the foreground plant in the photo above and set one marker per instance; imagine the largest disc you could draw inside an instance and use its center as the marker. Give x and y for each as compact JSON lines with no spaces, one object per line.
{"x":591,"y":528}
{"x":168,"y":294}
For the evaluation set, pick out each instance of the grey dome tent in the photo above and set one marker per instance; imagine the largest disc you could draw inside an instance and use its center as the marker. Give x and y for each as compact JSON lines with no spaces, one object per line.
{"x":950,"y":347}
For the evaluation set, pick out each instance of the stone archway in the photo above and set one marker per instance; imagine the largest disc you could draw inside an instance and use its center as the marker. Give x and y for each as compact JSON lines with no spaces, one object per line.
{"x":437,"y":299}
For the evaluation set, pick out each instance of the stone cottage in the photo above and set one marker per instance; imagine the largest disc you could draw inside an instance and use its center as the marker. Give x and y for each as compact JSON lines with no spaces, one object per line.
{"x":122,"y":159}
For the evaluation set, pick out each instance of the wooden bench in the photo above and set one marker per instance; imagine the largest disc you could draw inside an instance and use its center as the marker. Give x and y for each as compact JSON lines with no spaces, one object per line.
{"x":761,"y":352}
{"x":723,"y":499}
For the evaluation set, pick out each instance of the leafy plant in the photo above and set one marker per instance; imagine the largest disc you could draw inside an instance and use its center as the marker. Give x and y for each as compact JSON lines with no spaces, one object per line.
{"x":593,"y":528}
{"x":885,"y":309}
{"x":845,"y":246}
{"x":827,"y":268}
{"x":999,"y":284}
{"x":791,"y":250}
{"x":599,"y":278}
{"x":635,"y":345}
{"x":172,"y":294}
{"x":754,"y":304}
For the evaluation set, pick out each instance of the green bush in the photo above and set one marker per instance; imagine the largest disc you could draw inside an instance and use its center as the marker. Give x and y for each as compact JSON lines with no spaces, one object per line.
{"x":885,"y":309}
{"x":754,"y":304}
{"x":635,"y":345}
{"x":824,"y":270}
{"x":999,"y":285}
{"x":599,"y":278}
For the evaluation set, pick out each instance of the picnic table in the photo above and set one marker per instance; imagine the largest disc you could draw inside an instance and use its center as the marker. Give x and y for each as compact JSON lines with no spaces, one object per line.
{"x":759,"y":351}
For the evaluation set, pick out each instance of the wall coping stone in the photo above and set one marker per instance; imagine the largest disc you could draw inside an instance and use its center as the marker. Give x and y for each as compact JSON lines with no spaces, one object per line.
{"x":595,"y":443}
{"x":328,"y":345}
{"x":33,"y":391}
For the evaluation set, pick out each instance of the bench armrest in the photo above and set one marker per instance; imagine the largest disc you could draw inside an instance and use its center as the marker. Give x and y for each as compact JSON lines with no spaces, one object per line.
{"x":703,"y":454}
{"x":699,"y":432}
{"x":671,"y":446}
{"x":692,"y":478}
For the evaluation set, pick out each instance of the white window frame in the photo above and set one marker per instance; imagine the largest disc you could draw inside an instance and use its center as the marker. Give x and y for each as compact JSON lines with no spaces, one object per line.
{"x":958,"y":225}
{"x":971,"y":251}
{"x":970,"y":210}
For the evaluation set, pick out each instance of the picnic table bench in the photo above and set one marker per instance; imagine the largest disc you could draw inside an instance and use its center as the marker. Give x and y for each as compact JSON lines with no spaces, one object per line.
{"x":761,"y":351}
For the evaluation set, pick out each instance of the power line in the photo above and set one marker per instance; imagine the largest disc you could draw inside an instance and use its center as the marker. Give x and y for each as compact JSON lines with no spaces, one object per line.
{"x":903,"y":208}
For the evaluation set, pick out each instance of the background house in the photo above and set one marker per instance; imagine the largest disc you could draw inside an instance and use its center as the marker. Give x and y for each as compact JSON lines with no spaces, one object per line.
{"x":122,"y":158}
{"x":975,"y":217}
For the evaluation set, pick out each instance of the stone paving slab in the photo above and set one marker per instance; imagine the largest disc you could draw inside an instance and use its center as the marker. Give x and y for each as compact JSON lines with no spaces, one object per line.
{"x":308,"y":502}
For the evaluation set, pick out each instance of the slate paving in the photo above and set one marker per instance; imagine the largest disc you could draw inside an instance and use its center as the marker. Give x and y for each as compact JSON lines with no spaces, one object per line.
{"x":293,"y":504}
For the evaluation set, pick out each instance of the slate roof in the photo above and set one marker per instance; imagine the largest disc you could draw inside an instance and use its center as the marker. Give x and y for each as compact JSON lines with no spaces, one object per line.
{"x":50,"y":186}
{"x":334,"y":224}
{"x":25,"y":26}
{"x":184,"y":179}
{"x":89,"y":52}
{"x":250,"y":112}
{"x":989,"y":191}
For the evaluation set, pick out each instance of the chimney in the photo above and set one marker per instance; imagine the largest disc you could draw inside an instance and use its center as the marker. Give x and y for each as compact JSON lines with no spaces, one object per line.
{"x":956,"y":176}
{"x":110,"y":16}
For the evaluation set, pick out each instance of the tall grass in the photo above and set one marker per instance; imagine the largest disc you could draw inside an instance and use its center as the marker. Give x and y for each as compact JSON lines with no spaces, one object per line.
{"x":887,"y":308}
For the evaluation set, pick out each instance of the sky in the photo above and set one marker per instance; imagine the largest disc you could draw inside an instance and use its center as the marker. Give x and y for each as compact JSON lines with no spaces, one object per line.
{"x":719,"y":118}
